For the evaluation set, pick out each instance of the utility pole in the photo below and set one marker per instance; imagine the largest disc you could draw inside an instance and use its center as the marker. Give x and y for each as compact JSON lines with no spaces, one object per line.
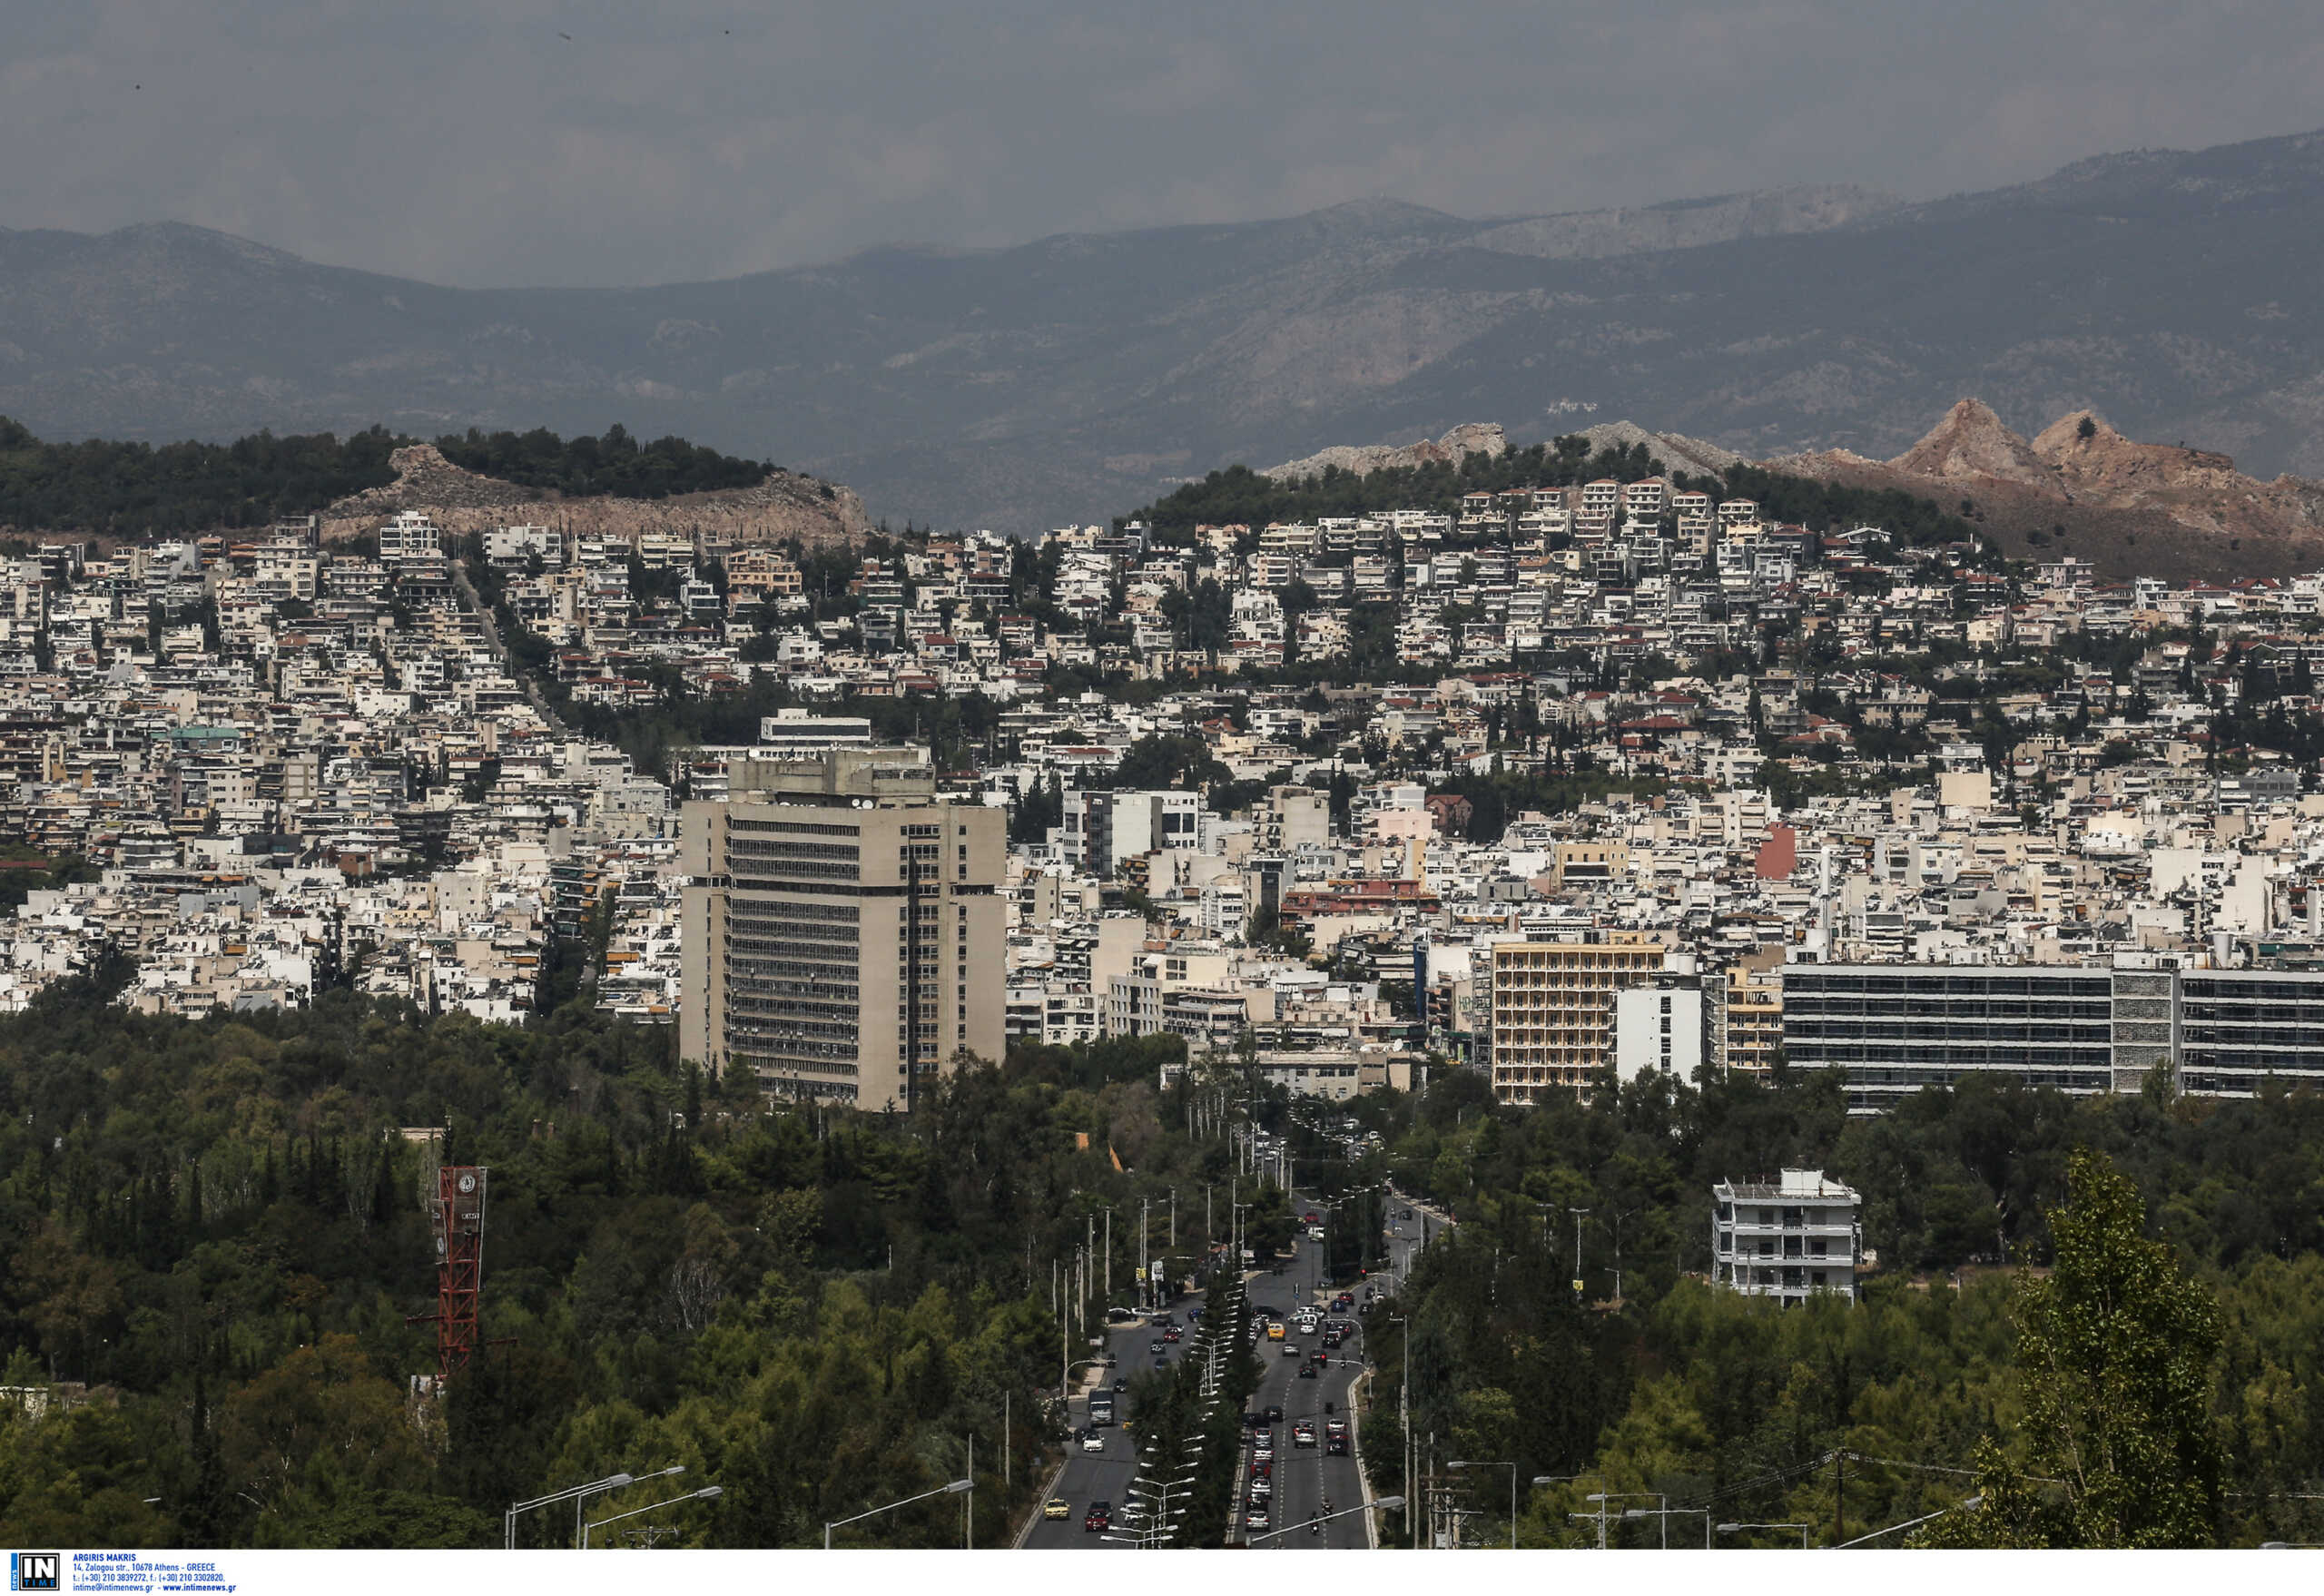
{"x":1839,"y":1497}
{"x":1579,"y":1215}
{"x":1145,"y":1286}
{"x":1109,"y":1289}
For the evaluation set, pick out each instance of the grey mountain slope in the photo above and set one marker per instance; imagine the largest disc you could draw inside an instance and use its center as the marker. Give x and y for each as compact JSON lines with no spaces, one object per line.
{"x":1078,"y":376}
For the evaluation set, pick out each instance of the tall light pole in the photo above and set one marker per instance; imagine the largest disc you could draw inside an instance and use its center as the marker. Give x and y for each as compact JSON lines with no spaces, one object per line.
{"x":1663,"y":1510}
{"x":951,"y":1488}
{"x":1540,"y":1480}
{"x":1579,"y":1215}
{"x":1270,"y":1534}
{"x":704,"y":1494}
{"x":574,"y":1494}
{"x":1404,"y":1414}
{"x":1468,"y":1463}
{"x":1601,"y":1498}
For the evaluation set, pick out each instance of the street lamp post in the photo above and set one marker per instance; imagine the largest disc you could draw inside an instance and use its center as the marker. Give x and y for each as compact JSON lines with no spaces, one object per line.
{"x":1574,"y":1480}
{"x":1327,"y":1518}
{"x":573,"y":1494}
{"x":951,"y":1488}
{"x":1968,"y":1504}
{"x":704,"y":1494}
{"x":1579,"y":1216}
{"x":1664,"y":1513}
{"x":1734,"y":1529}
{"x":1468,"y":1463}
{"x":1601,"y":1498}
{"x":1405,"y":1410}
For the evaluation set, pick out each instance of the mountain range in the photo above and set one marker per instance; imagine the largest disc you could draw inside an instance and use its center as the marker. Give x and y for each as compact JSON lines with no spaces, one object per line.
{"x":1070,"y":379}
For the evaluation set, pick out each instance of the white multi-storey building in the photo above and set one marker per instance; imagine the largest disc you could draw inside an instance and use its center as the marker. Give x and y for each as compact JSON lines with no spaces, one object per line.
{"x":1789,"y":1240}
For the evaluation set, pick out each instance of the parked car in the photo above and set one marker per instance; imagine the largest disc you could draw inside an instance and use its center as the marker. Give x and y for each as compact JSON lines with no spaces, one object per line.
{"x":1256,"y":1519}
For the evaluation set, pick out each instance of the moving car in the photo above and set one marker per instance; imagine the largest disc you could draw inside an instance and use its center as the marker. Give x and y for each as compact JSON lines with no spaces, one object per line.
{"x":1303,"y":1434}
{"x":1307,"y":1371}
{"x":1156,"y":1345}
{"x":1100,"y":1516}
{"x":1057,"y":1507}
{"x":1093,"y":1442}
{"x":1275,"y":1330}
{"x":1290,"y":1350}
{"x":1256,"y":1519}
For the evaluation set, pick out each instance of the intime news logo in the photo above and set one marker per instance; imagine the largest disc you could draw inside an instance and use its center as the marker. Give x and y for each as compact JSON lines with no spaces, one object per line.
{"x":36,"y":1570}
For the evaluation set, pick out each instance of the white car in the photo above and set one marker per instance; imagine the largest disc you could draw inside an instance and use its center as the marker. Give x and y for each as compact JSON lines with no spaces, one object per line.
{"x":1093,"y":1442}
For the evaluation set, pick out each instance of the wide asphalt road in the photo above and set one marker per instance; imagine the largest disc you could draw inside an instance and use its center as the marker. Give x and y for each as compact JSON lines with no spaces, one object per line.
{"x":1304,"y":1477}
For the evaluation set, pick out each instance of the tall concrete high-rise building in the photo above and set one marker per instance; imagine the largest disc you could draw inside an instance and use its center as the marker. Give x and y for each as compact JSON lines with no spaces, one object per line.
{"x":1553,"y":1009}
{"x":802,"y":883}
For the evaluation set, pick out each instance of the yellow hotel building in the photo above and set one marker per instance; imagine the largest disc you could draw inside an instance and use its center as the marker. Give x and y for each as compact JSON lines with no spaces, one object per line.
{"x":1553,"y":1008}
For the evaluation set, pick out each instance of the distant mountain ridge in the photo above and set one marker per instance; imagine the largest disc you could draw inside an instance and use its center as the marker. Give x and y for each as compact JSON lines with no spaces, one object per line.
{"x":1065,"y":378}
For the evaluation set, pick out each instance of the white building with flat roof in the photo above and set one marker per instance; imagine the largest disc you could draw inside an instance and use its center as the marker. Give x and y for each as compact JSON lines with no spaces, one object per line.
{"x":1790,"y":1239}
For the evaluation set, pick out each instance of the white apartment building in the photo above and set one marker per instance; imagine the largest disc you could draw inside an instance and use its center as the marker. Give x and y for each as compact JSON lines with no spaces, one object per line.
{"x":1790,"y":1239}
{"x":1658,"y":1027}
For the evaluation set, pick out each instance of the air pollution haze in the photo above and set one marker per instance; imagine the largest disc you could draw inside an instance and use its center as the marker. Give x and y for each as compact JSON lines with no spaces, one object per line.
{"x":558,"y":143}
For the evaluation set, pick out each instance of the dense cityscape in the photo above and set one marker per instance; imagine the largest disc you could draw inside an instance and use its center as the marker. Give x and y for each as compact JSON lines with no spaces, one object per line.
{"x":1592,"y":739}
{"x":1598,"y":871}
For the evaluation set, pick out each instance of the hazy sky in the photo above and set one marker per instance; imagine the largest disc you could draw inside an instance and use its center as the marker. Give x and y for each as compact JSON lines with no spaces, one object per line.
{"x":466,"y":142}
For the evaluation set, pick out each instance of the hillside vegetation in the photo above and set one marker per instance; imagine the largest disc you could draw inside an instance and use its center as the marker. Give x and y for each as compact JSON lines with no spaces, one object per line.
{"x":123,"y":489}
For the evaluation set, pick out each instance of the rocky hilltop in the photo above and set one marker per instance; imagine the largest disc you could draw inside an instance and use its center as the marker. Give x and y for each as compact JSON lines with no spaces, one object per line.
{"x":1675,"y":450}
{"x":1470,"y":437}
{"x":1971,"y":445}
{"x":2081,"y":486}
{"x":784,"y":507}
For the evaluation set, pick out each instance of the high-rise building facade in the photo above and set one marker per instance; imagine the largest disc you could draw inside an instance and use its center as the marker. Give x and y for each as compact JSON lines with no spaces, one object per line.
{"x":1893,"y":1029}
{"x":1552,"y":1007}
{"x":803,"y":882}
